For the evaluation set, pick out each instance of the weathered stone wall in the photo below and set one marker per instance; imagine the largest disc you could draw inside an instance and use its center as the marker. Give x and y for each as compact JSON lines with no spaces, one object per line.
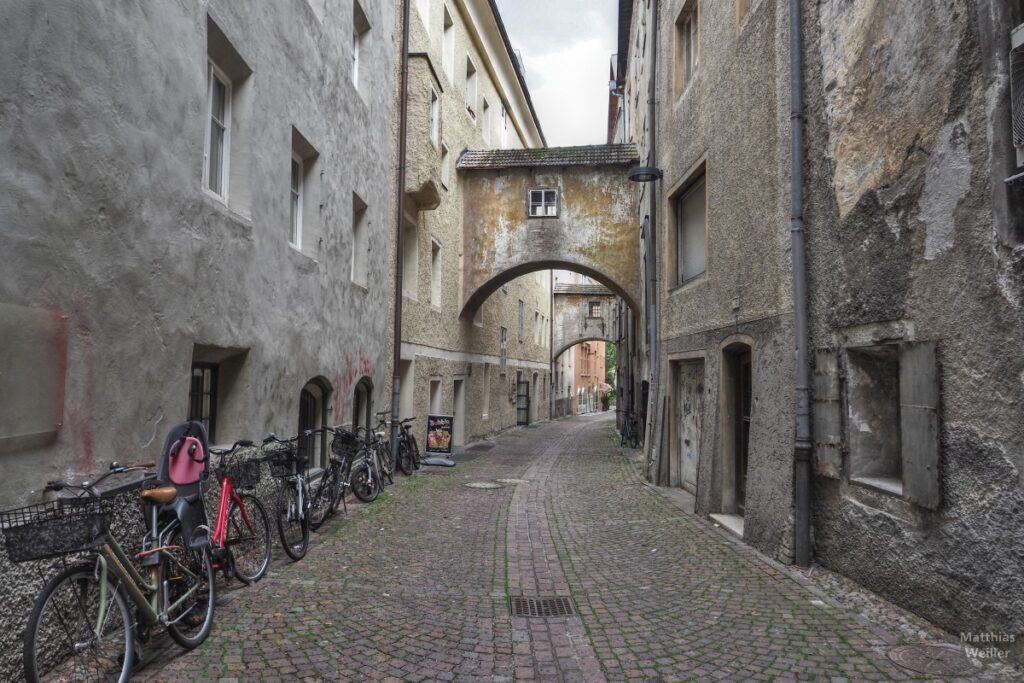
{"x":440,"y":344}
{"x":573,"y":322}
{"x":105,"y":220}
{"x":732,"y":121}
{"x":912,"y":236}
{"x":592,"y":234}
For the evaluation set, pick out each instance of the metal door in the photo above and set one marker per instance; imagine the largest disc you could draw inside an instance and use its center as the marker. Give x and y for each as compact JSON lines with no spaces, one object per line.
{"x":523,"y":404}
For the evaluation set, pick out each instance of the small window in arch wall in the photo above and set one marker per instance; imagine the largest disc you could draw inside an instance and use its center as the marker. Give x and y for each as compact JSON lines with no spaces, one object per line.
{"x":543,"y":203}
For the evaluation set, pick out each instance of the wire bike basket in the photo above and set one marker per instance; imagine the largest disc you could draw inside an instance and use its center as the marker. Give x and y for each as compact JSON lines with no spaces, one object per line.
{"x":244,"y":470}
{"x":281,"y":458}
{"x":55,"y":528}
{"x":345,"y":443}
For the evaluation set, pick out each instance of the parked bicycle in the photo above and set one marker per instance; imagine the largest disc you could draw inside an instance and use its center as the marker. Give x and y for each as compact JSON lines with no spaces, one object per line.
{"x":408,"y":450}
{"x":81,"y":624}
{"x":330,"y":488}
{"x":288,"y":464}
{"x":367,"y":478}
{"x":379,"y":440}
{"x":630,"y":431}
{"x":241,"y":535}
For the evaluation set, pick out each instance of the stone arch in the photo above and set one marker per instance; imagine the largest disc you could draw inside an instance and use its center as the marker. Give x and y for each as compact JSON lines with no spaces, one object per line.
{"x":485,"y":290}
{"x":565,"y":347}
{"x":362,"y":403}
{"x":314,"y":403}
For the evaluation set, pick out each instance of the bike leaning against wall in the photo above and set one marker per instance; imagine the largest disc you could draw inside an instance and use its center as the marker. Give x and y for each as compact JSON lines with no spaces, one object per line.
{"x":83,"y":625}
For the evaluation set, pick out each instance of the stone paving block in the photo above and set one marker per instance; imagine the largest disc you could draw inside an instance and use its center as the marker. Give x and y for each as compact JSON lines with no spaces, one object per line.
{"x":415,"y":587}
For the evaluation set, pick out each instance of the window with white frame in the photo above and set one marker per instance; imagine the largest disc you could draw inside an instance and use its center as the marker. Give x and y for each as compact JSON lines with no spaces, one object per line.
{"x":435,"y":273}
{"x":304,"y":225}
{"x":543,"y":203}
{"x":445,"y":166}
{"x":691,"y":230}
{"x":448,"y":45}
{"x":471,"y":81}
{"x":295,"y":237}
{"x":360,"y":36}
{"x":435,"y":117}
{"x":225,"y":144}
{"x":218,"y":141}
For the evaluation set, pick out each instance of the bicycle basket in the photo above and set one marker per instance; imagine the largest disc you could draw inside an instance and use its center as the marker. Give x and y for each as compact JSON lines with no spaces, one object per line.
{"x":244,"y":474}
{"x":344,"y":443}
{"x":58,"y":527}
{"x":281,"y":459}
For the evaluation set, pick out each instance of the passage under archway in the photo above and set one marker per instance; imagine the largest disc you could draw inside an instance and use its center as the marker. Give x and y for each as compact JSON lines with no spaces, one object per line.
{"x":588,"y":226}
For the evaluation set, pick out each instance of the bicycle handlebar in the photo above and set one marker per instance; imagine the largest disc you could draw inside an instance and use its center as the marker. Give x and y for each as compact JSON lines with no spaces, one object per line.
{"x":90,"y":486}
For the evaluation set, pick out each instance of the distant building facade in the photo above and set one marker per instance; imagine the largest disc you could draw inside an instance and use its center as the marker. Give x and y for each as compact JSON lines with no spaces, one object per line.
{"x":491,"y":370}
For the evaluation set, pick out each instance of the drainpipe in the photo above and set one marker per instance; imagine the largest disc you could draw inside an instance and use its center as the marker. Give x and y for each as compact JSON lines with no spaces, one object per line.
{"x":551,"y":345}
{"x":396,"y":361}
{"x":652,"y":240}
{"x":802,"y":447}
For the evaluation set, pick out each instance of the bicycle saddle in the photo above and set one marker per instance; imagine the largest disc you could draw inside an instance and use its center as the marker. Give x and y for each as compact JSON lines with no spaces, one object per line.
{"x":163,"y":494}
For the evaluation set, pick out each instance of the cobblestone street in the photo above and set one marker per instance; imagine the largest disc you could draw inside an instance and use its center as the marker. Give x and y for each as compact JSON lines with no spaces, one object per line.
{"x":416,"y":586}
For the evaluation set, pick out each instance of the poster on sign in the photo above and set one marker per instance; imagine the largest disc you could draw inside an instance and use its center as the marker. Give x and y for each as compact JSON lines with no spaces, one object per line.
{"x":439,"y":434}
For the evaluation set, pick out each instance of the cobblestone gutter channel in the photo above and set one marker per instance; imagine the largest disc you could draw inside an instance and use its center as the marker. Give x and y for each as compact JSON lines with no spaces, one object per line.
{"x":416,"y":587}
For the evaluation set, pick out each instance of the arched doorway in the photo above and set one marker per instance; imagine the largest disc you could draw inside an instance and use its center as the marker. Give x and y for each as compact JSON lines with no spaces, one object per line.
{"x":313,"y":413}
{"x":362,"y":404}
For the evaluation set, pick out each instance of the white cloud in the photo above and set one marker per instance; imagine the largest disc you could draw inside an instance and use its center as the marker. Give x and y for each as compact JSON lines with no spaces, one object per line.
{"x":569,"y":91}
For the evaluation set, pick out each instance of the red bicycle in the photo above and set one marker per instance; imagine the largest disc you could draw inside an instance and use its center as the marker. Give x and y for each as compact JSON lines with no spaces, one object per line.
{"x":241,"y":537}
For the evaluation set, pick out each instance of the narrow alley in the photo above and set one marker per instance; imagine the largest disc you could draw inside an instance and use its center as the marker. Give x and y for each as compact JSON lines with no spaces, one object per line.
{"x":417,"y":586}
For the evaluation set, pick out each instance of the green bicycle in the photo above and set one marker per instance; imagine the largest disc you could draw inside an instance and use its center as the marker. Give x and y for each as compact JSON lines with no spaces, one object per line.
{"x":82,"y":627}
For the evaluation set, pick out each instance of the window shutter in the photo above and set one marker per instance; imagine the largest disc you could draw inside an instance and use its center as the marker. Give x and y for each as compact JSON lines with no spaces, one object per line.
{"x":828,"y":437}
{"x":919,"y":423}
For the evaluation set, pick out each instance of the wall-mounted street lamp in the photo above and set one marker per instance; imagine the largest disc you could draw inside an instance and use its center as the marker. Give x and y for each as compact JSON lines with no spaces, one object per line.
{"x":644,"y":174}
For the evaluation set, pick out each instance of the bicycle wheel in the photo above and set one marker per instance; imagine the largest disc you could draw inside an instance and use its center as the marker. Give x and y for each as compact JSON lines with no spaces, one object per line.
{"x":385,"y":465}
{"x":363,"y":484}
{"x":292,"y":522}
{"x":249,"y":539}
{"x":61,"y":643}
{"x":415,"y":448}
{"x":404,"y":458}
{"x":189,"y":577}
{"x":321,"y":503}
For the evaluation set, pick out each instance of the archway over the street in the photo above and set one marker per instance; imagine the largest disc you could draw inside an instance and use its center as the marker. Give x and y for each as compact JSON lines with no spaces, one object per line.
{"x":566,"y":208}
{"x":583,"y":312}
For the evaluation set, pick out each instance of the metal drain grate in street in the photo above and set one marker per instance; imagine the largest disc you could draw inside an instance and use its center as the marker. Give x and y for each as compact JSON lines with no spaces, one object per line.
{"x":936,"y":660}
{"x":541,"y":607}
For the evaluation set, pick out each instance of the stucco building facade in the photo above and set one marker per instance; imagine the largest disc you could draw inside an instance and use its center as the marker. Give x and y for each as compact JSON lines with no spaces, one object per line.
{"x":199,"y":211}
{"x":466,"y":92}
{"x":915,"y":255}
{"x":198,"y":221}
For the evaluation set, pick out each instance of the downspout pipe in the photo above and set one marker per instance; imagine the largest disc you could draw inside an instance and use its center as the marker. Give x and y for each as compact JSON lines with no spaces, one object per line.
{"x":652,"y":236}
{"x":802,"y":444}
{"x":403,"y":108}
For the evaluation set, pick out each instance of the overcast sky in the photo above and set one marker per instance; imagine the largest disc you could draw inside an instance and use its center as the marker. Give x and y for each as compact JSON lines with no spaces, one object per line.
{"x":566,"y":46}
